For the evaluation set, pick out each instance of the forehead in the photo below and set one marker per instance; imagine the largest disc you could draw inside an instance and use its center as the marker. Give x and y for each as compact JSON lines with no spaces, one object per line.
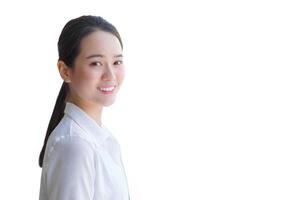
{"x":100,"y":42}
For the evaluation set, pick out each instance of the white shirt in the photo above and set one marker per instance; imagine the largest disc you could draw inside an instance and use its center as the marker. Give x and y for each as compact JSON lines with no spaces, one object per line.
{"x":82,"y":161}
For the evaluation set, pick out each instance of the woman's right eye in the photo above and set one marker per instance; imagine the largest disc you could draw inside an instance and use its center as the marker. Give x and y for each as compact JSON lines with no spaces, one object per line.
{"x":96,"y":64}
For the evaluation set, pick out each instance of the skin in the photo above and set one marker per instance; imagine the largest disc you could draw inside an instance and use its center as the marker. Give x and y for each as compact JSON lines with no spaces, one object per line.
{"x":89,"y":74}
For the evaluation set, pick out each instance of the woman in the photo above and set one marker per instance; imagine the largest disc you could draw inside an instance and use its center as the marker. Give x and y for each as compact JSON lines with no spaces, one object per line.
{"x":80,"y":158}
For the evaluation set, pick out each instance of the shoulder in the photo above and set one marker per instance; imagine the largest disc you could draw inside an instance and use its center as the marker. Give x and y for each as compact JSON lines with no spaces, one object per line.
{"x":66,"y":130}
{"x":70,"y":148}
{"x":72,"y":143}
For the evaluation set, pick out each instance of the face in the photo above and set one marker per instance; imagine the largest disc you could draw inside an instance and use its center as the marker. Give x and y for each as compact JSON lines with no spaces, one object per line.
{"x":98,"y":72}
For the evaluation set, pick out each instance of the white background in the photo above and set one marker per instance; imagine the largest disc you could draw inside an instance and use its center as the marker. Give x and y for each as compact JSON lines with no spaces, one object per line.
{"x":209,"y":108}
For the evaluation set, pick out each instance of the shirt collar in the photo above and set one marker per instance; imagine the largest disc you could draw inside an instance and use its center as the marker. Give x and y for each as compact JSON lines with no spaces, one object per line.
{"x":86,"y":122}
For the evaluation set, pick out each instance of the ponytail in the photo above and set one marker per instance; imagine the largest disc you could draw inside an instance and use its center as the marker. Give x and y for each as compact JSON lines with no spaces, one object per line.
{"x":57,"y":115}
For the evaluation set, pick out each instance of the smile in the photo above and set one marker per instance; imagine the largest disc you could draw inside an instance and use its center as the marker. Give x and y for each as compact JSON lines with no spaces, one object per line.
{"x":106,"y":90}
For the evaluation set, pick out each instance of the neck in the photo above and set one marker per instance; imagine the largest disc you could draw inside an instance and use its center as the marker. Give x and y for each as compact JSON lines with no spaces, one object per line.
{"x":91,"y":109}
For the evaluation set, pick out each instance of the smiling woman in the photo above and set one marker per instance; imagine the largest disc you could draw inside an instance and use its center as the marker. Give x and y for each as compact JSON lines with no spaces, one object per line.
{"x":80,"y":158}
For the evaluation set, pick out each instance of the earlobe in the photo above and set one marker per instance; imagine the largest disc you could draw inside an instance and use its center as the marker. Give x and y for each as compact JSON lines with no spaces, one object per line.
{"x":64,"y":71}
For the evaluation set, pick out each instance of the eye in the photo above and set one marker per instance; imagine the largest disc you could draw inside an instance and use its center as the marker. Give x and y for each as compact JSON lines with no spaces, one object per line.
{"x":118,"y":62}
{"x":96,"y":63}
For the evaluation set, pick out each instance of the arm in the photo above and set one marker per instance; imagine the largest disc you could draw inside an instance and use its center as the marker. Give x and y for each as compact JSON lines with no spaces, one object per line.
{"x":70,"y":170}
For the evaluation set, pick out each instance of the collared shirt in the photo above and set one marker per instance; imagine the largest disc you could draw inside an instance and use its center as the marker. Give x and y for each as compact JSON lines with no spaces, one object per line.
{"x":82,"y":161}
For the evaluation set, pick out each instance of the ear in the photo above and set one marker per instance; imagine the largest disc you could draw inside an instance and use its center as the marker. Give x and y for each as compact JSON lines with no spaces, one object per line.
{"x":64,"y":70}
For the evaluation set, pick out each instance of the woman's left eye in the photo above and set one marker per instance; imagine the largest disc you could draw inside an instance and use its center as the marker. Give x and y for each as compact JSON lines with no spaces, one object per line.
{"x":119,"y":62}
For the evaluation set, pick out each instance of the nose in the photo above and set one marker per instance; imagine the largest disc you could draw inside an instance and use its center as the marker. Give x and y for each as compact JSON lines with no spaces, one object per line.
{"x":108,"y":74}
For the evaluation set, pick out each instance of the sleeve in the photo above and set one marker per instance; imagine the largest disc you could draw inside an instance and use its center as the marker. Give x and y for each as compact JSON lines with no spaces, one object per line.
{"x":71,"y":170}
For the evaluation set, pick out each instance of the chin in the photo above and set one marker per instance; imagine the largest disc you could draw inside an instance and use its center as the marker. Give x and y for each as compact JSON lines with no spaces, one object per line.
{"x":108,"y":103}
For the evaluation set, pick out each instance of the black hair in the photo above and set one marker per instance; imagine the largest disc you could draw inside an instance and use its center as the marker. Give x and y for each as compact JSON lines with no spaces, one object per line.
{"x":68,"y":49}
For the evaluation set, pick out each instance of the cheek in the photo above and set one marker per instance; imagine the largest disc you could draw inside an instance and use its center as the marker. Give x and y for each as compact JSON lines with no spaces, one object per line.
{"x":84,"y":79}
{"x":120,"y":75}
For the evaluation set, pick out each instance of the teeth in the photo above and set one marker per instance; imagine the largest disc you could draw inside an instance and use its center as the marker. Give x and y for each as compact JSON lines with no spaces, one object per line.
{"x":107,"y":89}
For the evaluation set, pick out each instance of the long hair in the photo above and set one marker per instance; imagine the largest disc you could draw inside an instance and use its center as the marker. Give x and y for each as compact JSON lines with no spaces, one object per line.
{"x":68,"y":49}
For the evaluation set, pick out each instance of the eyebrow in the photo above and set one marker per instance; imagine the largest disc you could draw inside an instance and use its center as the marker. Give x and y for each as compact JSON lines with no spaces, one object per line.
{"x":101,"y":55}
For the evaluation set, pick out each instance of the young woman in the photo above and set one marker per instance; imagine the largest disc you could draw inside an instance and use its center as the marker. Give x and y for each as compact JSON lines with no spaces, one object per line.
{"x":81,"y":159}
